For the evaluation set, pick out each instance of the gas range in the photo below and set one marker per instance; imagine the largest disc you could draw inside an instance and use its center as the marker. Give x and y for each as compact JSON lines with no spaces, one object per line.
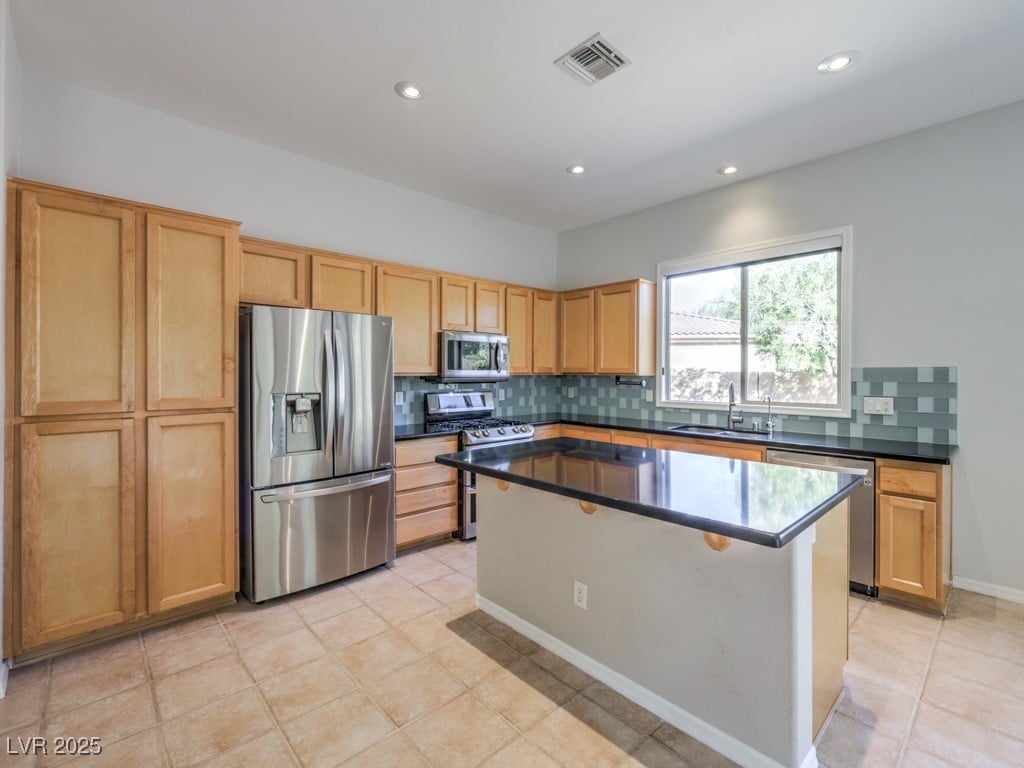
{"x":471,"y":413}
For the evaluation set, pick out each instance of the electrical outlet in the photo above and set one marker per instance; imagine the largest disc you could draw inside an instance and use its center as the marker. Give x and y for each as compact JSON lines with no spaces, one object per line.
{"x":501,"y":394}
{"x":399,"y":398}
{"x":579,"y":594}
{"x":881,"y":406}
{"x":649,"y":395}
{"x":570,"y":392}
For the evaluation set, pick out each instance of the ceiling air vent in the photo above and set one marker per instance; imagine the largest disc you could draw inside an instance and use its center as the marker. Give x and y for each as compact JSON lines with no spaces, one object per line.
{"x":592,"y":60}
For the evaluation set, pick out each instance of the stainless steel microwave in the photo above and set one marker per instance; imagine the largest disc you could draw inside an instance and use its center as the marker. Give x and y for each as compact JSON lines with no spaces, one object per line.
{"x":472,"y":357}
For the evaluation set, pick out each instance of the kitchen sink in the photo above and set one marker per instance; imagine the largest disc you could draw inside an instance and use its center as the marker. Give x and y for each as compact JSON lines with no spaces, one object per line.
{"x":698,"y":429}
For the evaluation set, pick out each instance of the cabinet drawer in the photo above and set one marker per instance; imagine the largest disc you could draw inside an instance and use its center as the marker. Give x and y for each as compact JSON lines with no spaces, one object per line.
{"x":425,"y":498}
{"x":588,"y":433}
{"x":424,"y":524}
{"x":909,"y":482}
{"x":709,"y":448}
{"x":409,"y":452}
{"x":638,"y":439}
{"x":409,"y":478}
{"x":547,"y":431}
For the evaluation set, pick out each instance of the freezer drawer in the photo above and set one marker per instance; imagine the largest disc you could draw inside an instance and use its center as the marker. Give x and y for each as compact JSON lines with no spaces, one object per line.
{"x":299,"y":536}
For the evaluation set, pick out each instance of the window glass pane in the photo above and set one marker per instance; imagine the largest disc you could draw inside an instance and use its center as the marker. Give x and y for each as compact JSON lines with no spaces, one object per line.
{"x":704,"y":335}
{"x":793,"y":329}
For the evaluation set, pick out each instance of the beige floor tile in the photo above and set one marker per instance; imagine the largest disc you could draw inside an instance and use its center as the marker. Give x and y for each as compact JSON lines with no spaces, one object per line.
{"x":21,"y":746}
{"x":199,"y":685}
{"x":850,"y":744}
{"x":993,"y":671}
{"x":188,"y":651}
{"x":512,"y":639}
{"x":431,"y":632}
{"x":110,"y":719}
{"x":617,"y":705}
{"x":258,"y":628}
{"x":217,"y":728}
{"x":692,"y":751}
{"x":568,"y":673}
{"x":653,"y":754}
{"x":145,"y":748}
{"x":870,"y":636}
{"x":377,"y":584}
{"x":279,"y":654}
{"x":378,"y":656}
{"x":884,"y":670}
{"x":460,"y":734}
{"x":916,"y":759}
{"x":405,"y":606}
{"x":522,"y":693}
{"x":962,"y":742}
{"x":926,"y":624}
{"x":414,"y":690}
{"x":30,"y":674}
{"x":521,"y":753}
{"x":338,"y":730}
{"x":460,"y":558}
{"x":180,"y":628}
{"x":394,"y":752}
{"x":988,"y":706}
{"x":988,"y":611}
{"x":582,"y":735}
{"x":473,"y":658}
{"x":268,"y":751}
{"x":984,"y":638}
{"x":318,"y":604}
{"x":451,"y":588}
{"x":421,"y":570}
{"x":300,"y":690}
{"x":22,"y":706}
{"x":87,"y":676}
{"x":350,"y":627}
{"x":886,"y":710}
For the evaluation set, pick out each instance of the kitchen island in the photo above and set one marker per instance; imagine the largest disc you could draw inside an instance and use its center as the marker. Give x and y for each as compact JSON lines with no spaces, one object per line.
{"x":715,"y":588}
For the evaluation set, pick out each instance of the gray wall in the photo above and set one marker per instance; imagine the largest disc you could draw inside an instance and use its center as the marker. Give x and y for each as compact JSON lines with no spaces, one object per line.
{"x":938,"y":273}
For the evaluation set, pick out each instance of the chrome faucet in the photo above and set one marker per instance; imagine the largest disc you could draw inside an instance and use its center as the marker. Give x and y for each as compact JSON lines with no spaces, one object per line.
{"x":735,"y":414}
{"x":769,"y":426}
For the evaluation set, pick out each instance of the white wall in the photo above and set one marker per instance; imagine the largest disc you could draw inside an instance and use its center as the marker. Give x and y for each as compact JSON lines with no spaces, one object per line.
{"x":87,"y":140}
{"x":938,"y":275}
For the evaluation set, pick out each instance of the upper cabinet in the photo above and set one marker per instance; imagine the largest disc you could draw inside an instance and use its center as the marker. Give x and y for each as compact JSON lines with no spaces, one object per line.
{"x":577,"y":337}
{"x":545,"y":332}
{"x":273,"y":274}
{"x":609,"y":329}
{"x":342,"y":283}
{"x":490,"y":307}
{"x":77,"y":304}
{"x":410,"y":296}
{"x":519,"y":325}
{"x":191,"y":308}
{"x":472,"y":305}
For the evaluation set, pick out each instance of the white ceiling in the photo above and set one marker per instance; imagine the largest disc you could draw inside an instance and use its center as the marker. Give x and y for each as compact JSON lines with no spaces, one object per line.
{"x":713,"y":82}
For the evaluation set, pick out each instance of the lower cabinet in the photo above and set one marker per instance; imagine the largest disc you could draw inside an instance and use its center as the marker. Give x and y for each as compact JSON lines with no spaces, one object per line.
{"x":710,"y":447}
{"x":77,"y":529}
{"x":427,"y":493}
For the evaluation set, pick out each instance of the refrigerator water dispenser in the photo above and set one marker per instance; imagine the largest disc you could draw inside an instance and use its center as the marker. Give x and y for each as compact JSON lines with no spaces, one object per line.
{"x":298,"y":426}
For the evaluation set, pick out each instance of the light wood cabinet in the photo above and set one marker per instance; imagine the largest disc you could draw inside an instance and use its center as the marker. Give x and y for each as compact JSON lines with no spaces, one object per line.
{"x":77,"y":569}
{"x":77,"y":300}
{"x":914,"y":531}
{"x":519,"y":325}
{"x":458,"y":303}
{"x":490,"y":307}
{"x":624,"y":328}
{"x":709,"y":447}
{"x":577,"y":332}
{"x":191,"y":509}
{"x":410,"y":296}
{"x":273,"y":274}
{"x":191,"y":312}
{"x":342,"y":283}
{"x":547,"y":431}
{"x":545,"y":332}
{"x":637,"y":439}
{"x":426,"y":492}
{"x":597,"y":434}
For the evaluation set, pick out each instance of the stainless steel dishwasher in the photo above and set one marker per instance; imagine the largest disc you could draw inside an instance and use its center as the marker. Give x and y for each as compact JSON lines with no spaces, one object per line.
{"x":862,"y":510}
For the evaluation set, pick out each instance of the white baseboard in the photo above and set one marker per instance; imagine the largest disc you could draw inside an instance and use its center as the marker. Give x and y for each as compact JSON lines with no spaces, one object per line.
{"x":5,"y":672}
{"x":690,"y":724}
{"x":992,"y":590}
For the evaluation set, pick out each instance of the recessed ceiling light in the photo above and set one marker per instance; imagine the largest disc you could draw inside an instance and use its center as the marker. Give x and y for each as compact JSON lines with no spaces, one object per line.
{"x":575,"y":170}
{"x":837,"y":62}
{"x":728,"y":170}
{"x":408,"y":90}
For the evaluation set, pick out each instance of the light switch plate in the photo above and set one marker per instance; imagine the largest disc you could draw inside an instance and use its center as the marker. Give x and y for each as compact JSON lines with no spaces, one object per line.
{"x":399,"y":398}
{"x":881,"y":406}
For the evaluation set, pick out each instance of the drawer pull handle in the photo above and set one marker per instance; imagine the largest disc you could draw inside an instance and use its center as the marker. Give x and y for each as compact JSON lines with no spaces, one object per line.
{"x":717,"y":541}
{"x":502,"y":485}
{"x":588,"y":507}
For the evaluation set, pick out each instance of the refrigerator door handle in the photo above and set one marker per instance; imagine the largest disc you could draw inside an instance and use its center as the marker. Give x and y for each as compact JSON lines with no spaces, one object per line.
{"x":275,"y":497}
{"x":329,"y":424}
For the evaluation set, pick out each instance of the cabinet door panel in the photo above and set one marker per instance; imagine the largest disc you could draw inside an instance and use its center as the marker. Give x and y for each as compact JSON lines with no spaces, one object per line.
{"x":342,"y":284}
{"x":458,"y":304}
{"x":77,"y":305}
{"x":577,"y":342}
{"x":272,"y":275}
{"x":519,"y":324}
{"x":907,"y":545}
{"x":545,"y":332}
{"x":616,"y":330}
{"x":77,"y":528}
{"x":191,"y":313}
{"x":410,"y":297}
{"x":490,"y":307}
{"x":709,"y":448}
{"x":191,"y":509}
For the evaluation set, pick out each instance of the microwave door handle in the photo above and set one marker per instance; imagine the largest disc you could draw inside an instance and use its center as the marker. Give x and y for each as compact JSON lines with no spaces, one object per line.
{"x":499,"y":357}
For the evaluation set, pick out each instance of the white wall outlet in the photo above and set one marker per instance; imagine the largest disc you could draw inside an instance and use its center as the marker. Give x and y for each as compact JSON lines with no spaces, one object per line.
{"x":501,"y":394}
{"x":649,"y":395}
{"x":570,"y":392}
{"x":579,"y":594}
{"x":881,"y":406}
{"x":399,"y":398}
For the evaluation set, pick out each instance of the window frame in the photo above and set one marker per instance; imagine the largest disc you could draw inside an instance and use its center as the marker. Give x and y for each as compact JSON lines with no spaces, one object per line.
{"x":840,"y":238}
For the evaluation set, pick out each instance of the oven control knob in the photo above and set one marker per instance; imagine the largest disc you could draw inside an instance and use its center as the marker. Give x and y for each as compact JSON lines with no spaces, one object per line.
{"x":477,"y":433}
{"x":501,"y":430}
{"x":487,"y":432}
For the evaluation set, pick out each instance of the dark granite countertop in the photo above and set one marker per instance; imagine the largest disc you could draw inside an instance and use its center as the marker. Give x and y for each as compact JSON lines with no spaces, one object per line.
{"x":843,"y":446}
{"x":764,"y":504}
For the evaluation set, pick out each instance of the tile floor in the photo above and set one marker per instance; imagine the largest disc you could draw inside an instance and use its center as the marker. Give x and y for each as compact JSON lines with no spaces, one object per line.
{"x":397,"y":668}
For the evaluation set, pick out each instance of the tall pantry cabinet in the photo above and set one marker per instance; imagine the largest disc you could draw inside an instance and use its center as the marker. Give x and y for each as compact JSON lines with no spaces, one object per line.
{"x":120,"y":416}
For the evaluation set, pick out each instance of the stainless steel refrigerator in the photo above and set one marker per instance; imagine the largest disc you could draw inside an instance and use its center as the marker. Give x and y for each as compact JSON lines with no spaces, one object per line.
{"x":317,"y":479}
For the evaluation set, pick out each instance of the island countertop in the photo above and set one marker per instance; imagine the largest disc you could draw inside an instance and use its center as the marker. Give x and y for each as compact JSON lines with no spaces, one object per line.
{"x":766,"y":504}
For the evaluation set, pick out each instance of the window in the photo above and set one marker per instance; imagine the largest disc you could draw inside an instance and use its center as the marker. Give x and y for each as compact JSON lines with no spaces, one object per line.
{"x":771,"y":319}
